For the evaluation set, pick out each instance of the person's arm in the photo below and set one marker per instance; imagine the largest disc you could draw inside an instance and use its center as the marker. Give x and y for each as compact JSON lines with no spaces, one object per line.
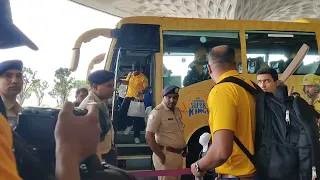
{"x":145,"y":87}
{"x":153,"y":124}
{"x":67,"y":165}
{"x":8,"y":167}
{"x":126,"y":81}
{"x":223,"y":117}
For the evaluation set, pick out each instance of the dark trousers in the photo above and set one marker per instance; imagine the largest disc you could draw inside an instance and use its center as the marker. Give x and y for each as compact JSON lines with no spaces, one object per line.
{"x":137,"y":122}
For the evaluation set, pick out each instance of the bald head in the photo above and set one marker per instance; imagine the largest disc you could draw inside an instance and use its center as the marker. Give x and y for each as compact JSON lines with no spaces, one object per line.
{"x":222,"y":54}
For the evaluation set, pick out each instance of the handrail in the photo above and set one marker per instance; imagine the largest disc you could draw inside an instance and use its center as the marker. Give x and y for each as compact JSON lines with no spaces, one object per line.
{"x":84,"y":38}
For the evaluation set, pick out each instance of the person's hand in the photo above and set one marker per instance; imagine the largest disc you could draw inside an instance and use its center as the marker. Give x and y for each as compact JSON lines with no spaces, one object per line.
{"x":138,"y":94}
{"x":185,"y":152}
{"x":162,"y":158}
{"x":77,"y":136}
{"x":195,"y":172}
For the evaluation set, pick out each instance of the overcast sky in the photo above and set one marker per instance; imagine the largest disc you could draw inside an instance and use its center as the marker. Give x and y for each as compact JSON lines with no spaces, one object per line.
{"x":54,"y":25}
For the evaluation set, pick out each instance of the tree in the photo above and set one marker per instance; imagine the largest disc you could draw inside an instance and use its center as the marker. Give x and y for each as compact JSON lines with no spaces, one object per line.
{"x":39,"y":90}
{"x":63,"y":84}
{"x":29,"y":81}
{"x":81,"y":84}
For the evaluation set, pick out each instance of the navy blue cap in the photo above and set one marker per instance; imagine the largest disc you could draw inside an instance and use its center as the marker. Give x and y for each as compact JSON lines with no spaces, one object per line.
{"x":10,"y":35}
{"x":100,"y":77}
{"x":170,"y":89}
{"x":10,"y":64}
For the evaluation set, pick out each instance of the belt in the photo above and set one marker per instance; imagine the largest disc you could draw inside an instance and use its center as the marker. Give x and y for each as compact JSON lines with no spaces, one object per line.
{"x":173,"y":150}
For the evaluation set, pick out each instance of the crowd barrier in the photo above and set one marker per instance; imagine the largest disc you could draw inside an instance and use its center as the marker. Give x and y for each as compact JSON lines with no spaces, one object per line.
{"x":175,"y":172}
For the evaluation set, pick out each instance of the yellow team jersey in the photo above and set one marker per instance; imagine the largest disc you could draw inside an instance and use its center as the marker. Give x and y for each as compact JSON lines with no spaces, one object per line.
{"x":136,"y":84}
{"x":316,"y":104}
{"x":232,"y":107}
{"x":8,"y":168}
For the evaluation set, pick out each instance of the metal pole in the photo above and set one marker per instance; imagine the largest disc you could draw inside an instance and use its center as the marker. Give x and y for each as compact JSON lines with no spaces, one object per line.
{"x":115,"y":84}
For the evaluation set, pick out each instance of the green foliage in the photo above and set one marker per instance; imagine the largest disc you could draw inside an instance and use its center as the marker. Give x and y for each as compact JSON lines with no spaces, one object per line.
{"x":81,"y":84}
{"x":39,"y":90}
{"x":63,"y":84}
{"x":29,"y":83}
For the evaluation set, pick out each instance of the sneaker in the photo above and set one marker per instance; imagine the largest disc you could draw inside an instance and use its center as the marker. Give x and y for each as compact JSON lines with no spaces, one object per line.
{"x":136,"y":140}
{"x":127,"y":131}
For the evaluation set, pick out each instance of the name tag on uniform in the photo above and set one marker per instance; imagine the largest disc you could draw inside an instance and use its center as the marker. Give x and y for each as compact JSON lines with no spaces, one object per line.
{"x":170,"y":118}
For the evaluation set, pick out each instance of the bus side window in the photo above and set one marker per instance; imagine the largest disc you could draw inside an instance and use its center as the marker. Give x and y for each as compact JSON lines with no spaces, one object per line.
{"x":279,"y":48}
{"x":185,"y":54}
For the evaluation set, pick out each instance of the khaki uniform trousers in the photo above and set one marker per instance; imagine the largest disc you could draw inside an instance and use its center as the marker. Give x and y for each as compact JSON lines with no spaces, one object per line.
{"x":173,"y":161}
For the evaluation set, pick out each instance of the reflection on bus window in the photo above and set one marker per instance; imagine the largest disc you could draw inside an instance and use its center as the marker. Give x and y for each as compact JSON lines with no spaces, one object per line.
{"x":277,"y":49}
{"x":185,"y":54}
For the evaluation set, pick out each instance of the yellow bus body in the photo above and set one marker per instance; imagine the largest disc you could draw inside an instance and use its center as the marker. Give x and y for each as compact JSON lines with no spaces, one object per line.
{"x":201,"y":90}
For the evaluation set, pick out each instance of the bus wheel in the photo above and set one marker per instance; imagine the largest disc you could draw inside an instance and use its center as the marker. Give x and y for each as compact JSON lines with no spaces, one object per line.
{"x":195,"y":148}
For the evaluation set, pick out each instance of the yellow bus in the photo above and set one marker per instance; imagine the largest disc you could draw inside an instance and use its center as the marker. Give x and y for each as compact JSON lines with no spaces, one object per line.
{"x":170,"y":51}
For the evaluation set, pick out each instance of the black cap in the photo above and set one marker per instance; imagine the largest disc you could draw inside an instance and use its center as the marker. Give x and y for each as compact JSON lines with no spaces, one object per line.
{"x":170,"y":89}
{"x":10,"y":64}
{"x":136,"y":66}
{"x":100,"y":77}
{"x":10,"y":35}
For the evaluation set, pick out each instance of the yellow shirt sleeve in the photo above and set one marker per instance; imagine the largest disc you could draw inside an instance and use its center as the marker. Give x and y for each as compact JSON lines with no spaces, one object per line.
{"x":154,"y":121}
{"x":223,"y":113}
{"x":128,"y":76}
{"x":317,"y":106}
{"x":8,"y":168}
{"x":145,"y":82}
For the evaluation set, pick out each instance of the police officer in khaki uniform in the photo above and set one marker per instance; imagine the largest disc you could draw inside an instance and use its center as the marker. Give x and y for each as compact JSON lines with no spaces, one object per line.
{"x":165,"y":133}
{"x":11,"y":83}
{"x":311,"y":87}
{"x":102,"y":85}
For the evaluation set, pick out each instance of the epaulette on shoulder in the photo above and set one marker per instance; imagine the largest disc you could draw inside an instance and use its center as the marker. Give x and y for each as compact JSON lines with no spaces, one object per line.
{"x":160,"y":106}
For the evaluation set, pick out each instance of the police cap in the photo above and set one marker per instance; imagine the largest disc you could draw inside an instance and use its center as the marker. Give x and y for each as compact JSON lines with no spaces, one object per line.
{"x":170,"y":89}
{"x":100,"y":77}
{"x":10,"y":64}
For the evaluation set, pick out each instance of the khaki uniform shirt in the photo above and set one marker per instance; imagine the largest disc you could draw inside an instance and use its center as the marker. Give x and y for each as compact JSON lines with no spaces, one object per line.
{"x":167,"y":126}
{"x":13,"y":109}
{"x":106,"y":145}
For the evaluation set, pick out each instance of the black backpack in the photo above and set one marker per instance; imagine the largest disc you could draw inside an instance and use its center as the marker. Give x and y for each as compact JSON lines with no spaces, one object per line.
{"x":286,"y":140}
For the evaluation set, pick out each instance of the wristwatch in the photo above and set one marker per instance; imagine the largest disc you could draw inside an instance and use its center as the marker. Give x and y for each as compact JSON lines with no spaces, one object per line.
{"x":198,"y":167}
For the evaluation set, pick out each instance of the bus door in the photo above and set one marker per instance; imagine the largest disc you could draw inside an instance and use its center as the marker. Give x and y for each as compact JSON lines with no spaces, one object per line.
{"x":133,"y":43}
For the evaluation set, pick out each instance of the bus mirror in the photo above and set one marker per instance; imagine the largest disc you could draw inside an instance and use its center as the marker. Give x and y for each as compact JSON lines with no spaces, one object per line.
{"x":129,"y":37}
{"x":96,"y":60}
{"x":84,"y":38}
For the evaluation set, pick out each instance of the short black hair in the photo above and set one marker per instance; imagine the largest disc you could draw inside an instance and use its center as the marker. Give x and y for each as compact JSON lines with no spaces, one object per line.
{"x":268,"y":70}
{"x":225,"y":55}
{"x":136,"y":66}
{"x":81,"y":90}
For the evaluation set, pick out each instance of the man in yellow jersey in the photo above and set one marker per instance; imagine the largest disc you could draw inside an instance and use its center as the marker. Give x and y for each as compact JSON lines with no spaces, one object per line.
{"x":137,"y":86}
{"x":72,"y":145}
{"x":232,"y":113}
{"x":102,"y":84}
